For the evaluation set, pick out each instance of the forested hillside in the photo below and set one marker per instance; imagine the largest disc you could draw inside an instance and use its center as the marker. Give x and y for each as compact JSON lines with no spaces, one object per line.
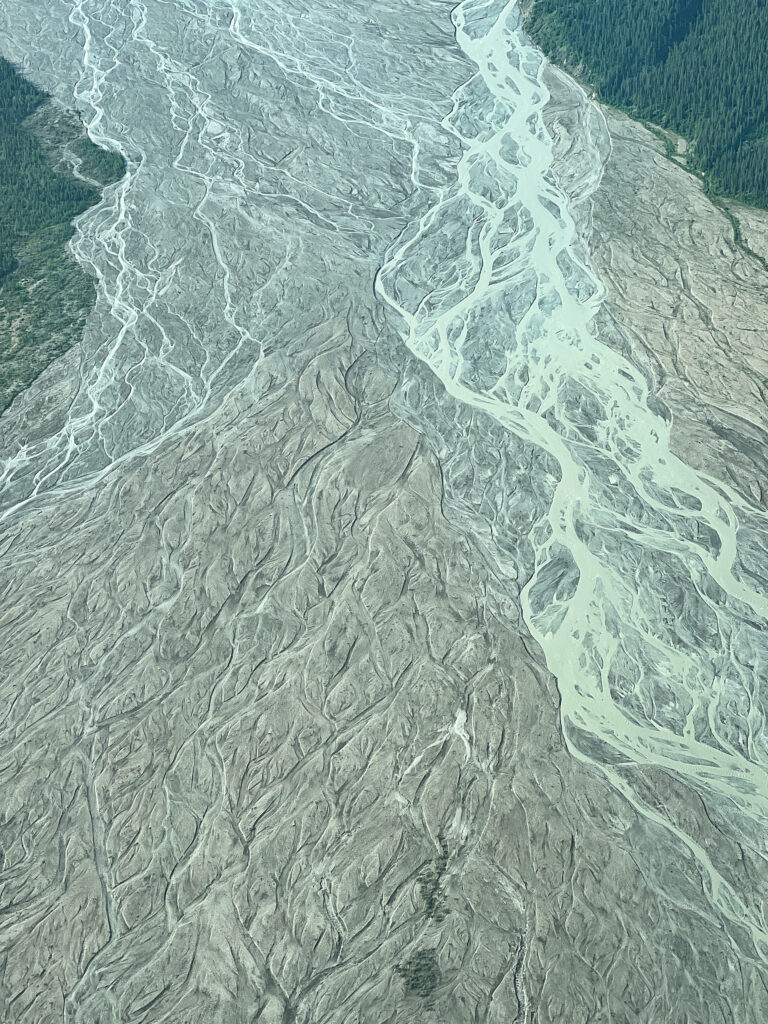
{"x":44,"y":295}
{"x":698,"y":67}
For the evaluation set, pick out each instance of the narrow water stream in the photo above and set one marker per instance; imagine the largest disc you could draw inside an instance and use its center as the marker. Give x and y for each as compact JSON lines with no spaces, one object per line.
{"x":648,"y":590}
{"x":655,"y":633}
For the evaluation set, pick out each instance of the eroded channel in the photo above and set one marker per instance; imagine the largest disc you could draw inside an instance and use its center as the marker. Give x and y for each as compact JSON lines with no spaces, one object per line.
{"x":643,"y":582}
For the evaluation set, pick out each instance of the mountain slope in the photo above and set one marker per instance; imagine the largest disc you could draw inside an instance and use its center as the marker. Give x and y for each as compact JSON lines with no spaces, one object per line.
{"x":44,"y":294}
{"x":698,"y":67}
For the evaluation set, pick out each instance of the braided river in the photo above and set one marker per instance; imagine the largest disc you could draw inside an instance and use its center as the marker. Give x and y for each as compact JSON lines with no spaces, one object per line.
{"x":644,"y":583}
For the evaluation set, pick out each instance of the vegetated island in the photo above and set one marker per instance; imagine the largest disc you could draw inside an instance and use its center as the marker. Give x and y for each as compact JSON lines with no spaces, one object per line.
{"x":698,"y":68}
{"x":50,"y":172}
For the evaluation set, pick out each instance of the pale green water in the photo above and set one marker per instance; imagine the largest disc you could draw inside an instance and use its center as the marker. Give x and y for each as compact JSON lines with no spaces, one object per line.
{"x":656,"y":638}
{"x":639,"y":593}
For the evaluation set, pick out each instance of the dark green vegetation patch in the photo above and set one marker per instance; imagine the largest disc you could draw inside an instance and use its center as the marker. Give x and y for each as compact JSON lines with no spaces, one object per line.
{"x":44,"y":295}
{"x":421,"y":973}
{"x":696,"y":67}
{"x":430,"y":883}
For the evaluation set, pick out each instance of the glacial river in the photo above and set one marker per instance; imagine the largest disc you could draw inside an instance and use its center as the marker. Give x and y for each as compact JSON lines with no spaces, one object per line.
{"x":645,"y":586}
{"x":643,"y":594}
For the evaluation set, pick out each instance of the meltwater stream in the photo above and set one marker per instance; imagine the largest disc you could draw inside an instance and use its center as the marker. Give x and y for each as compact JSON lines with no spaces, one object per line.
{"x":640,"y":596}
{"x":647,"y":594}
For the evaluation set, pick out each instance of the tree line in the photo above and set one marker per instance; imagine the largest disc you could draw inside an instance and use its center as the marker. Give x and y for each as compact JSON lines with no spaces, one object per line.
{"x":696,"y":67}
{"x":32,"y":194}
{"x":44,"y":295}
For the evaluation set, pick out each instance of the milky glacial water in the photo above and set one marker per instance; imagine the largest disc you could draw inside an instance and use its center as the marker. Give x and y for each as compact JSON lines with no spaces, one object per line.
{"x":647,"y":594}
{"x":647,"y":586}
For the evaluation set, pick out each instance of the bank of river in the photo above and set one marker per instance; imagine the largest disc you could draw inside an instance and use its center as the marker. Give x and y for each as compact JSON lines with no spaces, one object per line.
{"x":351,"y":451}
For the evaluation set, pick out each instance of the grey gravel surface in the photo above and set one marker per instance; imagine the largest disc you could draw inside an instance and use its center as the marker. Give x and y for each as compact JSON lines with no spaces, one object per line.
{"x":692,"y":300}
{"x":277,"y":724}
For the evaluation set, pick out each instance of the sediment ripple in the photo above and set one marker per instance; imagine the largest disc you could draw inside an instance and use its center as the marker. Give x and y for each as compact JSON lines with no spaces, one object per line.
{"x":638,"y":593}
{"x":267,"y":653}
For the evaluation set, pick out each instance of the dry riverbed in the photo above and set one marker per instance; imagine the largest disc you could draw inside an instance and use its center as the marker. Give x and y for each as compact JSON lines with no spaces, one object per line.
{"x":277,"y":745}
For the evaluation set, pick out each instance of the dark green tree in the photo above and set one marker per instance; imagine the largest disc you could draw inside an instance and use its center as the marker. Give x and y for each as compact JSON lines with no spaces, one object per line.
{"x":696,"y":67}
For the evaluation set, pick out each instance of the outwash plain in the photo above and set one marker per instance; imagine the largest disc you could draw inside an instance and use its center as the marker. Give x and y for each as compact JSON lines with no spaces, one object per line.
{"x":383,"y":575}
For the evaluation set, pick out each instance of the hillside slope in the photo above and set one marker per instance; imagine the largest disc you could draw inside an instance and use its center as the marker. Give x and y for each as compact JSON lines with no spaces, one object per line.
{"x":697,"y":67}
{"x":50,"y":172}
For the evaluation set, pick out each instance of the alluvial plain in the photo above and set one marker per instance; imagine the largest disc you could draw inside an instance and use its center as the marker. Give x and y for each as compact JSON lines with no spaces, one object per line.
{"x":286,"y":559}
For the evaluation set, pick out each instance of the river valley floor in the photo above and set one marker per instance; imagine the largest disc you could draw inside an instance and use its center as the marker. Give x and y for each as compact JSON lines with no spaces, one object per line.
{"x":279,"y":742}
